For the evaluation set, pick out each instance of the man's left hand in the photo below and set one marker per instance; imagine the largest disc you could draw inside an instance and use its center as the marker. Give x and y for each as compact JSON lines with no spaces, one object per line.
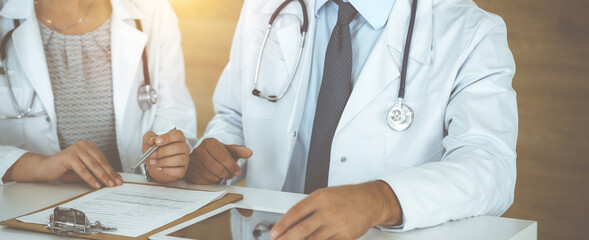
{"x":343,"y":212}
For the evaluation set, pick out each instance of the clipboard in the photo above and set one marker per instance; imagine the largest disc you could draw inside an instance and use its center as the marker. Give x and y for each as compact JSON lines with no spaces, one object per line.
{"x":227,"y":199}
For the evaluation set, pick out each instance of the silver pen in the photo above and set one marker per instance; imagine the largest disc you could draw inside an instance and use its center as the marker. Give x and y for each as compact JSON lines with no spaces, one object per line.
{"x":148,"y":153}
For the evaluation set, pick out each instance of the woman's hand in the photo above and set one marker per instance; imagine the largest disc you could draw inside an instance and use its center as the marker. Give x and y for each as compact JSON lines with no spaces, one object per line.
{"x":80,"y":161}
{"x":170,"y":161}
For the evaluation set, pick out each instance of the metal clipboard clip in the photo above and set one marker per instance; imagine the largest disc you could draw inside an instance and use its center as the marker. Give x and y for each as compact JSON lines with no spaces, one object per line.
{"x":66,"y":221}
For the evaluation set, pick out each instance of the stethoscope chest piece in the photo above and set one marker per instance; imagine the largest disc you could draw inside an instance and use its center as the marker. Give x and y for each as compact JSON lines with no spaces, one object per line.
{"x":400,"y":117}
{"x":146,"y":96}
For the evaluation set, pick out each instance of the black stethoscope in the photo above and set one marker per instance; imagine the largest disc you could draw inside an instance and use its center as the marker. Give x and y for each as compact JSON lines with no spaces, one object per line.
{"x":146,"y":96}
{"x":399,"y":117}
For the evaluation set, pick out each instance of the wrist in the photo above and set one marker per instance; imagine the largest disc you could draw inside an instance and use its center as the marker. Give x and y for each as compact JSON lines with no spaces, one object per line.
{"x":389,"y":212}
{"x":27,"y":168}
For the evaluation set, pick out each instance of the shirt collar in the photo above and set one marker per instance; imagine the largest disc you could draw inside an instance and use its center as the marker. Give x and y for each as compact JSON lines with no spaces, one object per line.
{"x":376,"y":12}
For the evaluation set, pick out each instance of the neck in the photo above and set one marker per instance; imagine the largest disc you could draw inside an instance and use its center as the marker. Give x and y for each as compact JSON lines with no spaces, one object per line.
{"x":62,"y":7}
{"x":73,"y":16}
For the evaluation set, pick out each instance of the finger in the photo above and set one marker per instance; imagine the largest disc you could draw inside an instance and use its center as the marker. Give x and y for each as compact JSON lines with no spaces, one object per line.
{"x":175,"y":172}
{"x":79,"y":168}
{"x":195,"y":178}
{"x":217,"y":162}
{"x":93,"y":165}
{"x":172,"y":150}
{"x":303,"y":228}
{"x":204,"y":173}
{"x":238,"y":151}
{"x":148,"y":140}
{"x":170,"y":137}
{"x":69,"y":177}
{"x":220,"y":153}
{"x":112,"y":177}
{"x":294,"y":215}
{"x":173,"y":161}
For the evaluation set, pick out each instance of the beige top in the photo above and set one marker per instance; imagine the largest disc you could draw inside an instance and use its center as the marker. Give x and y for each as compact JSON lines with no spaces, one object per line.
{"x":81,"y":79}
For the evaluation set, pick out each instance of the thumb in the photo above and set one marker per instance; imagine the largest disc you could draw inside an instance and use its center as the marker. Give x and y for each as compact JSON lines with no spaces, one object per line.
{"x":148,"y":140}
{"x":238,"y":151}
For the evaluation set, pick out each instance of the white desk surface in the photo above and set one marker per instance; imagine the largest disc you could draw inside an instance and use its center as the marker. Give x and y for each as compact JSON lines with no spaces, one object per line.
{"x":17,"y":199}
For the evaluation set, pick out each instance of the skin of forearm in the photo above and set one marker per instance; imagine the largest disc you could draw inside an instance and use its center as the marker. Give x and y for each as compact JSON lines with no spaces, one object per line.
{"x":28,"y":168}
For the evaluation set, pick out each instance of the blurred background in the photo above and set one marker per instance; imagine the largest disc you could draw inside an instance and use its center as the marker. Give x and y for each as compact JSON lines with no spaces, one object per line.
{"x":550,"y":43}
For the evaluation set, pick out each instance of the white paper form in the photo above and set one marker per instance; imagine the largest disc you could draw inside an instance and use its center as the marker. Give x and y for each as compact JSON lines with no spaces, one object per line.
{"x":134,"y":209}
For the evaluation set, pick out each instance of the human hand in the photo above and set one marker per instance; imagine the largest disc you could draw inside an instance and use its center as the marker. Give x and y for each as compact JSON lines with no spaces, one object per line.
{"x":212,"y":161}
{"x":343,"y":212}
{"x":170,"y":161}
{"x":80,"y":161}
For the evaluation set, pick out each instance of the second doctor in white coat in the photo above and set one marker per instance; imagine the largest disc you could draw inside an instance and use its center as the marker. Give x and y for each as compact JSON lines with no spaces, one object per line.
{"x":456,"y":160}
{"x":28,"y":72}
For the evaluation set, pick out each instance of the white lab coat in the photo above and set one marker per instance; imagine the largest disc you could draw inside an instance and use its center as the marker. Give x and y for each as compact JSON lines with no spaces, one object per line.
{"x":458,"y":157}
{"x":28,"y":72}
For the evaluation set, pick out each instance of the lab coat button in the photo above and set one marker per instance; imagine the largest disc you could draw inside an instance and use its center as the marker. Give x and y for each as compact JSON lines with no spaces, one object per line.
{"x":294,"y":134}
{"x":343,"y":160}
{"x":48,"y":119}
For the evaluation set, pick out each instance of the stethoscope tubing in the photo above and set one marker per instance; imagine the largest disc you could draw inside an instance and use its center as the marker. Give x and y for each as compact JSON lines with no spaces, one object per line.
{"x":304,"y":27}
{"x":145,"y":98}
{"x":407,"y":50}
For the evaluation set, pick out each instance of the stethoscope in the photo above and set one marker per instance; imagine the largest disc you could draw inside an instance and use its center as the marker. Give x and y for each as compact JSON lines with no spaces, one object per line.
{"x":304,"y":26}
{"x":4,"y":71}
{"x":399,"y":117}
{"x":146,"y":95}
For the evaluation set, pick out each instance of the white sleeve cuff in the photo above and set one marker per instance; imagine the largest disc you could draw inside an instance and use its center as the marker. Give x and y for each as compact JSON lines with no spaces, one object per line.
{"x":396,"y":228}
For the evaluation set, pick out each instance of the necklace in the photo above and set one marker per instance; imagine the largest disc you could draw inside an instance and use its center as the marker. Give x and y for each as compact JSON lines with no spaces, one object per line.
{"x":50,"y":22}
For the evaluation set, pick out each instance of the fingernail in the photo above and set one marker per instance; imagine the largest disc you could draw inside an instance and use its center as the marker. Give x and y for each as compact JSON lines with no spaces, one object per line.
{"x":119,"y":181}
{"x":154,"y":154}
{"x":159,"y":168}
{"x":150,"y":139}
{"x":238,"y":173}
{"x":159,"y":141}
{"x":97,"y":185}
{"x":111,"y":183}
{"x":274,"y":234}
{"x":153,"y":162}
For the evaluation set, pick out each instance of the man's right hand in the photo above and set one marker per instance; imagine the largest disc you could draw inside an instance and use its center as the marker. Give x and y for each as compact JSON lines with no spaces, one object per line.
{"x":80,"y":161}
{"x":213,"y":161}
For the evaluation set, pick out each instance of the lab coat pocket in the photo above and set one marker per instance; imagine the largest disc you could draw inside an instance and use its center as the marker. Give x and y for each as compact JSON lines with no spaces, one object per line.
{"x":422,"y":141}
{"x":11,"y":130}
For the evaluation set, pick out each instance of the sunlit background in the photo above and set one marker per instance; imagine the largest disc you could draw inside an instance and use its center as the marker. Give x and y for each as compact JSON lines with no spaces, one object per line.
{"x":550,"y":42}
{"x":207,"y":28}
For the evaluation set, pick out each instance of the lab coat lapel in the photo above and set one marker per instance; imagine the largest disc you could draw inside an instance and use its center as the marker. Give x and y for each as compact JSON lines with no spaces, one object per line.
{"x":127,"y":44}
{"x":383,"y":65}
{"x":30,"y":53}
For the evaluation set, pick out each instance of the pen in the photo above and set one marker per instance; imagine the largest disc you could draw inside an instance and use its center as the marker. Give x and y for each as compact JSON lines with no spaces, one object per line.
{"x":148,"y":153}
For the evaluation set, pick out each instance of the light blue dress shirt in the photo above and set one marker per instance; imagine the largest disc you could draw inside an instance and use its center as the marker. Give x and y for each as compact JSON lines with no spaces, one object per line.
{"x":365,"y":30}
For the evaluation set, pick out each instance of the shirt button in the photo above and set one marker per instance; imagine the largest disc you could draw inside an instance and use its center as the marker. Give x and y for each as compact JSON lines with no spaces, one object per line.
{"x":343,"y":160}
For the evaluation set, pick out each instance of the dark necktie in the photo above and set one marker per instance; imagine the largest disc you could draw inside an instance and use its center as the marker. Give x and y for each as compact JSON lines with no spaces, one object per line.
{"x":336,"y":88}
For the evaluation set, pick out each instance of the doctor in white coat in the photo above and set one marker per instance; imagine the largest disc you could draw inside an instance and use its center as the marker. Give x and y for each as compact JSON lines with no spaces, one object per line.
{"x":29,"y":146}
{"x":456,"y":160}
